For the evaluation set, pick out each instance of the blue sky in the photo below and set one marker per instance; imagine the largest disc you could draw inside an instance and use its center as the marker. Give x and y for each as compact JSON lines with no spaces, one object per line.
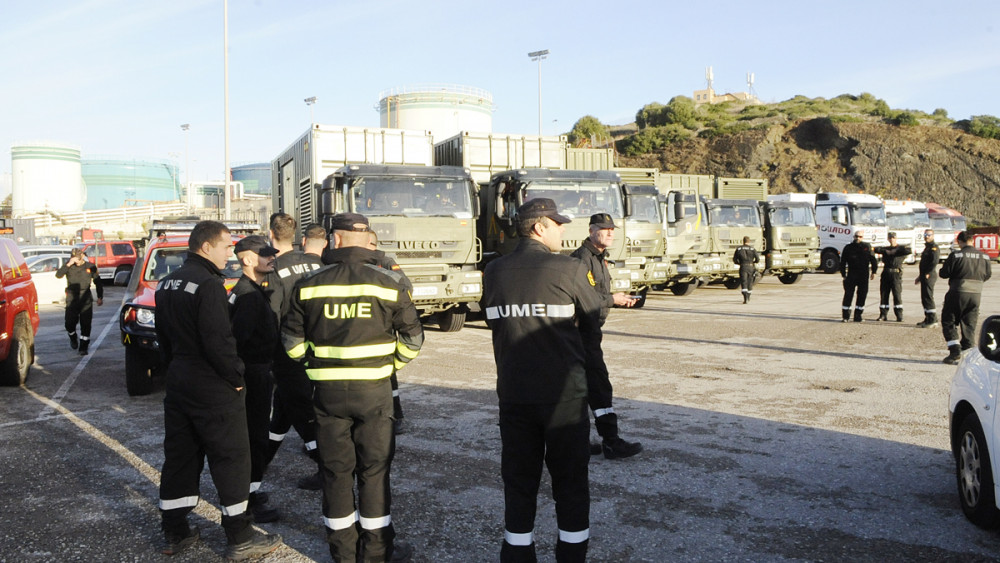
{"x":119,"y":77}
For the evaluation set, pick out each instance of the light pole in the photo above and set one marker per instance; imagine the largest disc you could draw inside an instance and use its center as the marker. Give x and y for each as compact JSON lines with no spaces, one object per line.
{"x":187,"y":167}
{"x":538,"y":56}
{"x":225,"y":49}
{"x":310,"y":102}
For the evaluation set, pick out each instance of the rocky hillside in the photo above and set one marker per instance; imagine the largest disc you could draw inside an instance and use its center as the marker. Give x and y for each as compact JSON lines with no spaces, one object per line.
{"x":925,"y":163}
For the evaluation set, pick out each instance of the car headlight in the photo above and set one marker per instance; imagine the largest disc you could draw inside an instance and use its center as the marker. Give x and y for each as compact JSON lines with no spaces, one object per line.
{"x":145,"y":317}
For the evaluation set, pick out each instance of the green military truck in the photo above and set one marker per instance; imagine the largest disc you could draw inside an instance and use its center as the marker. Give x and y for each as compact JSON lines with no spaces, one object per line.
{"x":729,"y":220}
{"x":791,"y":239}
{"x":645,"y":245}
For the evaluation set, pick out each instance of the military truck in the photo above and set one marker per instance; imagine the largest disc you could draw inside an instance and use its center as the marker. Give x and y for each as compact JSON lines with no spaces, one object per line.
{"x":645,"y":244}
{"x":790,"y":238}
{"x":423,"y":215}
{"x":729,"y":220}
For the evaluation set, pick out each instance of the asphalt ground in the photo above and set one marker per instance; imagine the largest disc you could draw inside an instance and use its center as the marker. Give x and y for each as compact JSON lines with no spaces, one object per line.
{"x":772,"y":432}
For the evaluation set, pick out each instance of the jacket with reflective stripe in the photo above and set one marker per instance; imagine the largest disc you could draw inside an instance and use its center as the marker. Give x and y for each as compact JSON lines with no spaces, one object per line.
{"x":352,"y":320}
{"x":966,"y":269}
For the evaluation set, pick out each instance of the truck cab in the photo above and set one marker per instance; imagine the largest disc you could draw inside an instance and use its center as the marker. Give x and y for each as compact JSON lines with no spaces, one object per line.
{"x":791,"y":240}
{"x":729,"y":220}
{"x":645,"y":244}
{"x":900,"y":219}
{"x":839,"y":216}
{"x":685,"y":223}
{"x":947,"y":223}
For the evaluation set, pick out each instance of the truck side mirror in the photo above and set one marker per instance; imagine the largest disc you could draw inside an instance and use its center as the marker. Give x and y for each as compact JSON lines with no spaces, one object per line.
{"x":989,"y":338}
{"x":628,"y":205}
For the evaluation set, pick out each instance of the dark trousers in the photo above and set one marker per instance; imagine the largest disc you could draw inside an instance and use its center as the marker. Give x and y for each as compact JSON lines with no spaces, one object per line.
{"x":292,"y":407}
{"x":354,"y":422}
{"x":193,"y":432}
{"x":556,"y":434}
{"x":599,"y":390}
{"x":258,"y":406}
{"x":859,"y":284}
{"x":748,"y":275}
{"x":891,"y":283}
{"x":79,"y":308}
{"x":960,"y":311}
{"x":927,"y":295}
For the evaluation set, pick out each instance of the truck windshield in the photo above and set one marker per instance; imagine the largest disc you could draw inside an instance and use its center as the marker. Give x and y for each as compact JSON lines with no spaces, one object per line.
{"x":921,"y":219}
{"x":412,"y":197}
{"x":900,"y":221}
{"x":579,"y":199}
{"x":868,"y":216}
{"x":735,"y":216}
{"x":958,"y":223}
{"x":645,"y":209}
{"x":792,"y":217}
{"x":942,"y":223}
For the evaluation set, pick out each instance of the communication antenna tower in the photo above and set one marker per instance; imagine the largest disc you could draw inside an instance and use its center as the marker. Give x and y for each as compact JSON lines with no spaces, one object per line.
{"x":709,"y":77}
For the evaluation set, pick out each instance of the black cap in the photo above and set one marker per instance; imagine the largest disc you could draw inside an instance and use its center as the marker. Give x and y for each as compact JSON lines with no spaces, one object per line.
{"x":256,"y":244}
{"x":349,"y":222}
{"x":892,"y":234}
{"x":602,"y":221}
{"x":540,"y":207}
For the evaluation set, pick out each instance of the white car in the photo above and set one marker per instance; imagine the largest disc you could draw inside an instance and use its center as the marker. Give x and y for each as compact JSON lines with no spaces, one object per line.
{"x":43,"y":272}
{"x":975,"y":431}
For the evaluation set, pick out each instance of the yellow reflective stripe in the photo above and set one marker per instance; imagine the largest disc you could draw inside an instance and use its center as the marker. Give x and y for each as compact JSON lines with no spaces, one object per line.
{"x":346,"y":373}
{"x":398,"y":364}
{"x":405,"y":351}
{"x":360,"y":290}
{"x":298,"y":351}
{"x":354,"y":352}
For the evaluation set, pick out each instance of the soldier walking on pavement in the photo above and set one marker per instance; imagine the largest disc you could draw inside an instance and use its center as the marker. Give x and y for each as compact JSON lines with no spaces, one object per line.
{"x":204,"y":411}
{"x":255,"y":328}
{"x":80,"y":273}
{"x":593,"y":252}
{"x":966,"y":269}
{"x":892,"y":278}
{"x":857,"y":266}
{"x":293,"y":393}
{"x":927,"y":278}
{"x":746,"y":257}
{"x":540,"y":330}
{"x":353,"y":323}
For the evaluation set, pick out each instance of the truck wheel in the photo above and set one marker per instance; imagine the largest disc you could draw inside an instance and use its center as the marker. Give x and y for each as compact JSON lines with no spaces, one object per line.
{"x":14,"y":370}
{"x":451,"y":320}
{"x":682,"y":289}
{"x":138,"y":372}
{"x":830,"y":261}
{"x":789,"y":278}
{"x":120,"y":269}
{"x":731,"y":283}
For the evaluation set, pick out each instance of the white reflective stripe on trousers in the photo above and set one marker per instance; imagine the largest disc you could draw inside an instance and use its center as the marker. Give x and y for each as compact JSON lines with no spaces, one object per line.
{"x":234,"y":509}
{"x":574,"y":537}
{"x":375,"y":523}
{"x":519,"y":539}
{"x":341,"y":523}
{"x":183,"y":502}
{"x":601,"y":412}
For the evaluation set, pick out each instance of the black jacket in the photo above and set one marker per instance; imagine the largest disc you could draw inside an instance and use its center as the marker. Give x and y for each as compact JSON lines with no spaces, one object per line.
{"x":540,"y":307}
{"x":255,"y":326}
{"x":746,"y":256}
{"x":288,"y":269}
{"x":929,"y":260}
{"x":382,"y":260}
{"x":892,"y":258}
{"x":966,"y":269}
{"x":856,"y":259}
{"x":196,"y":341}
{"x":351,"y":320}
{"x":600,"y":277}
{"x":79,"y":278}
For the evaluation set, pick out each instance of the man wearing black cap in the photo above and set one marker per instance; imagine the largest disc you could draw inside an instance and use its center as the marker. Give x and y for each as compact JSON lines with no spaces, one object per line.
{"x":255,"y":328}
{"x":80,"y":273}
{"x":966,"y":270}
{"x":927,"y":278}
{"x":892,"y":278}
{"x":204,"y":409}
{"x":858,"y":266}
{"x":539,"y":333}
{"x":352,"y":323}
{"x":746,"y":257}
{"x":594,"y":253}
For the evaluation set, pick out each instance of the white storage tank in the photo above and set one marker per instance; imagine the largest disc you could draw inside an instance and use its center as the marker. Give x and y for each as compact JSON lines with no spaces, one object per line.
{"x":442,"y":109}
{"x":46,"y":177}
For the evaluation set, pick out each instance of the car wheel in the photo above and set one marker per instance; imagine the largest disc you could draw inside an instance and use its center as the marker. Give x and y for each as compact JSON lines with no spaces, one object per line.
{"x":975,"y":475}
{"x":14,"y":370}
{"x":830,"y":261}
{"x":682,"y":289}
{"x":790,"y":278}
{"x":138,"y":372}
{"x":451,"y":320}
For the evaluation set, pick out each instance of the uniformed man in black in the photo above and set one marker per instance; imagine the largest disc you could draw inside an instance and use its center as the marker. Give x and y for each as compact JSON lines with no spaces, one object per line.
{"x":80,"y":273}
{"x":966,"y":269}
{"x":353,"y":323}
{"x":255,"y":328}
{"x":858,"y":266}
{"x":203,"y":410}
{"x":927,"y":278}
{"x":891,"y":282}
{"x":539,"y":333}
{"x":594,"y":253}
{"x":293,"y":391}
{"x":746,"y":257}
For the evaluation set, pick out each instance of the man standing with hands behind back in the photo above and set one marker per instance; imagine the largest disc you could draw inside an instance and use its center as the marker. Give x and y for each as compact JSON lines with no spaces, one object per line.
{"x":927,"y":278}
{"x":79,"y":274}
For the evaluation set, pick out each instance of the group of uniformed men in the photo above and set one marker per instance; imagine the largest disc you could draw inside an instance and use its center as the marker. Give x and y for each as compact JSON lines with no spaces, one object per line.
{"x":966,"y":269}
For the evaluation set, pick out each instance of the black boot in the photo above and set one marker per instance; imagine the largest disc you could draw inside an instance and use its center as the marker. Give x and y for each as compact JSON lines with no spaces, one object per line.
{"x":954,"y":355}
{"x":74,"y":342}
{"x":883,"y":314}
{"x":926,"y":323}
{"x":262,"y":512}
{"x":746,"y":297}
{"x":84,"y":344}
{"x":616,"y":448}
{"x":899,"y":316}
{"x":857,"y":315}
